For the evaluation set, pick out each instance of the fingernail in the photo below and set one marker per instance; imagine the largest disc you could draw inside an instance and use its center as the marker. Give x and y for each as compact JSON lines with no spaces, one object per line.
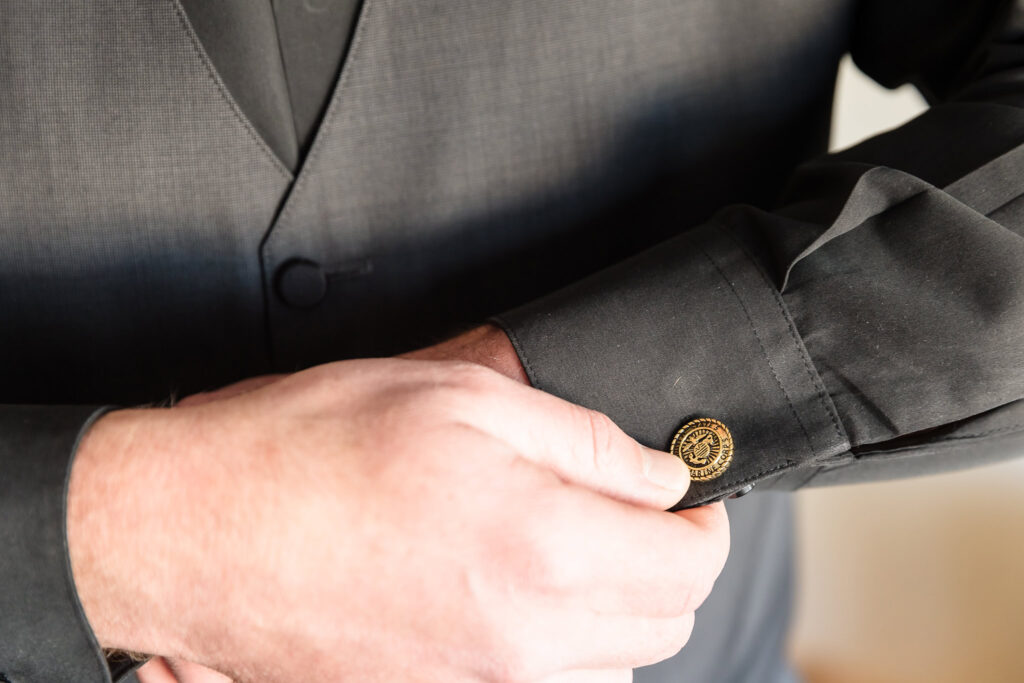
{"x":667,"y":471}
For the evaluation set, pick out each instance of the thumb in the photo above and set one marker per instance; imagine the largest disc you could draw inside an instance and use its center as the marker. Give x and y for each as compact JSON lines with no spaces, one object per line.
{"x":584,"y":447}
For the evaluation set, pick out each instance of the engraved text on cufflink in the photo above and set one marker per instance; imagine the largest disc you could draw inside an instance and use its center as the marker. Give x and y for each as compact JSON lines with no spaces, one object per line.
{"x":705,"y":445}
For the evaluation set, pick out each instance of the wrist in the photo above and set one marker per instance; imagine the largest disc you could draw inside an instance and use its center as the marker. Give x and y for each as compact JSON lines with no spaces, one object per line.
{"x":487,"y":345}
{"x":118,"y":532}
{"x":499,"y":354}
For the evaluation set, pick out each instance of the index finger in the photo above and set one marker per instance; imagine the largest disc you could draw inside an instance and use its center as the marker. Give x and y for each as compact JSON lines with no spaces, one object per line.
{"x":628,"y":560}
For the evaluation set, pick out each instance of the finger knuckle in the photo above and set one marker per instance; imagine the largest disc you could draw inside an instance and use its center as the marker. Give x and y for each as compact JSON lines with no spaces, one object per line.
{"x":717,"y":539}
{"x":720,"y":552}
{"x":676,"y":634}
{"x":469,"y":376}
{"x":459,"y":388}
{"x":543,"y":563}
{"x":692,"y":582}
{"x":551,"y":572}
{"x":698,"y":586}
{"x":602,"y":437}
{"x":664,"y":639}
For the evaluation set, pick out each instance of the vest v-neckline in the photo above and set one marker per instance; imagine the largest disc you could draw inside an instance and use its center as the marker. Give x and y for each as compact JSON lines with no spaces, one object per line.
{"x":313,"y":37}
{"x":273,"y":117}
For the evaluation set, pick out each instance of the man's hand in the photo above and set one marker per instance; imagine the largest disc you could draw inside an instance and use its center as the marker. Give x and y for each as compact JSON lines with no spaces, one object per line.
{"x":387,"y":520}
{"x":486,"y":345}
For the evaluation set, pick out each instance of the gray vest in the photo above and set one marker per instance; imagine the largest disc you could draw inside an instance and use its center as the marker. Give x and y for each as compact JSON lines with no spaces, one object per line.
{"x":475,"y":155}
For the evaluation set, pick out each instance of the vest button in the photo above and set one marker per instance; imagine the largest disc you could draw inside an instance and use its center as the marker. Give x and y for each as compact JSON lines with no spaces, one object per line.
{"x":301,"y":283}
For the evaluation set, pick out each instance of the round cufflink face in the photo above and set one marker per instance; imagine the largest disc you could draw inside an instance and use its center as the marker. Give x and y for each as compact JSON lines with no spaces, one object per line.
{"x":705,"y":445}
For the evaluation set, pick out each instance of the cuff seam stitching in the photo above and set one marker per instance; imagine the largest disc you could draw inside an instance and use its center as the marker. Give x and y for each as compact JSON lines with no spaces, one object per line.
{"x":764,"y":352}
{"x":823,"y":396}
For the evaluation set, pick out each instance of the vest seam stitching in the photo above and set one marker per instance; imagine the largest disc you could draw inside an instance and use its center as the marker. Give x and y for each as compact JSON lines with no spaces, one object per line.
{"x":212,"y":74}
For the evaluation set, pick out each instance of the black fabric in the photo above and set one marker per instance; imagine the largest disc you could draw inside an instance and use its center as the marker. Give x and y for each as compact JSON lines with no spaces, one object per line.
{"x":657,"y":341}
{"x":889,"y":282}
{"x":43,"y":633}
{"x":934,"y":45}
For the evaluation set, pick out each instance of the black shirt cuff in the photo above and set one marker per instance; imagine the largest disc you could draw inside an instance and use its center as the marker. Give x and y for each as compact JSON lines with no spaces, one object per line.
{"x":691,"y":329}
{"x":44,"y":635}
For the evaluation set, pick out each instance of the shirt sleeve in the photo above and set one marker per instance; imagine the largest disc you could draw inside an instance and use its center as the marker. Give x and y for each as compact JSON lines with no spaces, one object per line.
{"x":44,"y":636}
{"x":870,"y":327}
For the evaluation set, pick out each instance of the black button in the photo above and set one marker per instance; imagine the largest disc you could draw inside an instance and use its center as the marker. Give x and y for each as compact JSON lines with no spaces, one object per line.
{"x":301,"y":283}
{"x":743,"y":491}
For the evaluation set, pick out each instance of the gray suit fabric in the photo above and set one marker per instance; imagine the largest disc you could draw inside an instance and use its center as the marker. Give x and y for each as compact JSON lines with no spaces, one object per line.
{"x":279,"y":60}
{"x":504,"y":159}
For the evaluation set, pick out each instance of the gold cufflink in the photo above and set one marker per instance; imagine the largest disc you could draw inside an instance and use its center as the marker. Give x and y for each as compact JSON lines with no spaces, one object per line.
{"x":705,"y":445}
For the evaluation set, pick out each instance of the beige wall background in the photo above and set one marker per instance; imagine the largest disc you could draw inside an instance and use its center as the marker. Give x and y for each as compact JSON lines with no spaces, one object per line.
{"x":915,"y":581}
